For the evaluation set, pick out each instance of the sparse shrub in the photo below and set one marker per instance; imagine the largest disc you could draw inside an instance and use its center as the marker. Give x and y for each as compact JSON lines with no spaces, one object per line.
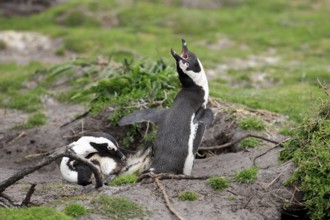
{"x":75,"y":210}
{"x":249,"y":143}
{"x":122,"y":180}
{"x":309,"y":150}
{"x":188,"y":196}
{"x":247,"y":175}
{"x":252,"y":123}
{"x":219,"y":182}
{"x":118,"y":208}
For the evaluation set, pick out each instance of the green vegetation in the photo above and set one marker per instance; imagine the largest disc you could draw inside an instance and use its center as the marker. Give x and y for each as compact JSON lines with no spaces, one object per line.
{"x":123,"y":180}
{"x":252,"y":123}
{"x":219,"y":182}
{"x":43,"y":213}
{"x":75,"y":210}
{"x":263,"y":54}
{"x":188,"y":196}
{"x":249,"y":143}
{"x":286,"y":41}
{"x":35,"y":120}
{"x":118,"y":208}
{"x":309,"y":149}
{"x":247,"y":175}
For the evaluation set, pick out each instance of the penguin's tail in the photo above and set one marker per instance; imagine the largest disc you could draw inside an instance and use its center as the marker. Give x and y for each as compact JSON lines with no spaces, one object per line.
{"x":139,"y":162}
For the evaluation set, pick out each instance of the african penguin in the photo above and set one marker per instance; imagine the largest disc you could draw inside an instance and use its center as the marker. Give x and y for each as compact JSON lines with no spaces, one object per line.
{"x":99,"y":148}
{"x":182,"y":126}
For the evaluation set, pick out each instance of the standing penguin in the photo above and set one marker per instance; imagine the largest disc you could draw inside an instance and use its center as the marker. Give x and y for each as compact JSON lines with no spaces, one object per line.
{"x":99,"y":148}
{"x":182,"y":126}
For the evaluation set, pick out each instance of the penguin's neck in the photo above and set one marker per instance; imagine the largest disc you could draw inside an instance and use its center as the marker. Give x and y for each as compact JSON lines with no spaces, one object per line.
{"x":191,"y":79}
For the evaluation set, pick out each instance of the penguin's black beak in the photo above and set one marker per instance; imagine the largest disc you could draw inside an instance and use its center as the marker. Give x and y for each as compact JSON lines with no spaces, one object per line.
{"x":184,"y":54}
{"x":175,"y":55}
{"x":121,"y":156}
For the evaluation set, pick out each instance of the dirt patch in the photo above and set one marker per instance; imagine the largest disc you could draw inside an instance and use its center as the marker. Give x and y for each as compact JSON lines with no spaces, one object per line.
{"x":261,"y":200}
{"x":23,"y":47}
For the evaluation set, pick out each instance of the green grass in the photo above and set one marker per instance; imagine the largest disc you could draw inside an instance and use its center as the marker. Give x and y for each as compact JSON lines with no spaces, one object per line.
{"x":247,"y":175}
{"x":123,"y":180}
{"x":219,"y":182}
{"x":118,"y":208}
{"x":188,"y":196}
{"x":43,"y":213}
{"x":297,"y":31}
{"x":75,"y":210}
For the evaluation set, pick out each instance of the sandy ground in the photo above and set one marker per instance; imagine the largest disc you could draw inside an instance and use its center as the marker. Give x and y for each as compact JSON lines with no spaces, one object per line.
{"x":260,"y":200}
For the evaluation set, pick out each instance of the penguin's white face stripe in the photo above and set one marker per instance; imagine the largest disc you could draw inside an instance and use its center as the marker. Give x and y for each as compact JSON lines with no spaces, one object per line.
{"x":199,"y":78}
{"x":67,"y":173}
{"x":190,"y":156}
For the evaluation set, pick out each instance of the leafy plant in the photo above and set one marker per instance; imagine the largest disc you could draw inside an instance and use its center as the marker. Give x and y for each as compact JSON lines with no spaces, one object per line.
{"x":118,"y":208}
{"x":75,"y":210}
{"x":123,"y":180}
{"x":188,"y":196}
{"x":247,"y":175}
{"x":219,"y":182}
{"x":309,"y":150}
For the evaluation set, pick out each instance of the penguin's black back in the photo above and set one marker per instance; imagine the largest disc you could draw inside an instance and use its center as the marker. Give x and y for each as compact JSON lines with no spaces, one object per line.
{"x":171,"y":144}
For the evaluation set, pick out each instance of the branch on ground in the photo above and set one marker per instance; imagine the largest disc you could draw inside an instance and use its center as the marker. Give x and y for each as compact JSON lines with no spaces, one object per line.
{"x":61,"y":152}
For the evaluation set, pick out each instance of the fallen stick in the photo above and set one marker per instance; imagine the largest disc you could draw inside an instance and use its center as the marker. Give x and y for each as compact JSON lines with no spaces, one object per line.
{"x":229,"y":144}
{"x":61,"y":152}
{"x":167,"y":200}
{"x":162,"y":176}
{"x":27,"y":198}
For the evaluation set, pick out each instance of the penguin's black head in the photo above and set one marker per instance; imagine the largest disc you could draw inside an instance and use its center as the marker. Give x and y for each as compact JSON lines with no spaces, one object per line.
{"x":188,"y":65}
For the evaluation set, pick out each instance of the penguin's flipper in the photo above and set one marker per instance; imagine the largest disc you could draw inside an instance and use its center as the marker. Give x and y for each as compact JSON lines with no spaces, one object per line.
{"x":152,"y":115}
{"x":204,"y":116}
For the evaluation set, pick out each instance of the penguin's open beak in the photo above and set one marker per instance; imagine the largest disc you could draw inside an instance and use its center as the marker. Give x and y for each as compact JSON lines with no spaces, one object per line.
{"x":184,"y":54}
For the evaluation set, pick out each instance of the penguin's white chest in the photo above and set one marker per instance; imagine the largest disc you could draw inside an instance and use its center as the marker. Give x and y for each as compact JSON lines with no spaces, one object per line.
{"x":189,"y":162}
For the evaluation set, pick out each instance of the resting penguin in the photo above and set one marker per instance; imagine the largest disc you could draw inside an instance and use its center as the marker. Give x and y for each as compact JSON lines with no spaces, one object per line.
{"x":181,"y":127}
{"x":99,"y":148}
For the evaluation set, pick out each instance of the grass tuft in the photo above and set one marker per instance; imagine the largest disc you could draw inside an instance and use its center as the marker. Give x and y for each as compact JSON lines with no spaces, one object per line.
{"x":118,"y":208}
{"x":247,"y":175}
{"x":36,"y":119}
{"x":75,"y":210}
{"x":123,"y":180}
{"x":188,"y":196}
{"x":219,"y":182}
{"x":249,"y":143}
{"x":41,"y":212}
{"x":252,"y":123}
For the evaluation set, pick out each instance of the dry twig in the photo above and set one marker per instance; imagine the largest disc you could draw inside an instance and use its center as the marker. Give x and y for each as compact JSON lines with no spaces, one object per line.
{"x":61,"y":152}
{"x":167,"y":200}
{"x":229,"y":144}
{"x":27,"y":198}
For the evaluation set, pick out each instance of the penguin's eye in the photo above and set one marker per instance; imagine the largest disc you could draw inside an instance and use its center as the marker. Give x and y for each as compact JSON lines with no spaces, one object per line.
{"x":186,"y":64}
{"x":110,"y":148}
